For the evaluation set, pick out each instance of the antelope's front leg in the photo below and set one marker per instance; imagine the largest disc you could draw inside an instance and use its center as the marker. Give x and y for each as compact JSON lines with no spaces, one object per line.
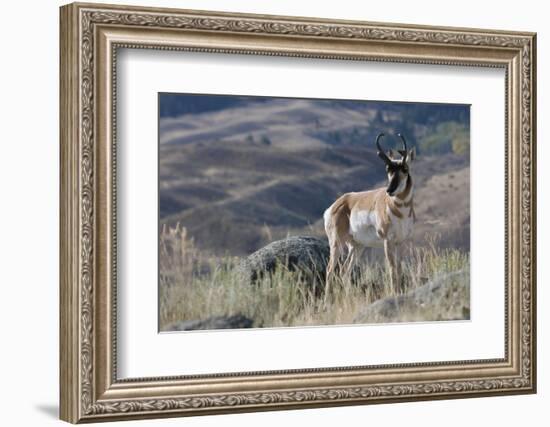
{"x":389,"y":250}
{"x":398,"y":255}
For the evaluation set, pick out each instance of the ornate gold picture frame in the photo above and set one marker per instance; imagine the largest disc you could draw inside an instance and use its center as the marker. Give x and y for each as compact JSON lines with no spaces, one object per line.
{"x":91,"y":34}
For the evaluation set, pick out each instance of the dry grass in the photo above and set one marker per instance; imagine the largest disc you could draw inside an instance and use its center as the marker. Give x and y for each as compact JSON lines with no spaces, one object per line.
{"x":195,"y":286}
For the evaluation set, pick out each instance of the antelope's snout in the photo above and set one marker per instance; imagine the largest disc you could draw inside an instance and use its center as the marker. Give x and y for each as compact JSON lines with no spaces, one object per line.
{"x":393,"y":184}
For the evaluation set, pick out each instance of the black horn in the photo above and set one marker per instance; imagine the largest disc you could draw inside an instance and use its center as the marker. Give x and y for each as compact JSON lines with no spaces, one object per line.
{"x":400,"y":135}
{"x":381,"y":152}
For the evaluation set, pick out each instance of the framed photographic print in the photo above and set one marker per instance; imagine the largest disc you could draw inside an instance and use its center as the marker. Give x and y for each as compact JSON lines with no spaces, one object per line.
{"x":265,"y":212}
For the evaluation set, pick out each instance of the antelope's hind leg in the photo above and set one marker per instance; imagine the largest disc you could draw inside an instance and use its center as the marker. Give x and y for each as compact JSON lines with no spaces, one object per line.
{"x":355,"y":253}
{"x":335,"y":251}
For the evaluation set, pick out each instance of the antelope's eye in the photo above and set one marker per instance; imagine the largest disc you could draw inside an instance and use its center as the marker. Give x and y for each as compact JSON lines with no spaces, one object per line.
{"x":406,"y":169}
{"x":387,"y":168}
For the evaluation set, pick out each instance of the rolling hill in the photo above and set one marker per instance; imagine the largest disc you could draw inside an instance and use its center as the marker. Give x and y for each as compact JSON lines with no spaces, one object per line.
{"x":246,"y":174}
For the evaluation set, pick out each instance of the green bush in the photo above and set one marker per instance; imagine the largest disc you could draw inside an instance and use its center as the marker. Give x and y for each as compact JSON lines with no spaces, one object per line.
{"x":447,"y":137}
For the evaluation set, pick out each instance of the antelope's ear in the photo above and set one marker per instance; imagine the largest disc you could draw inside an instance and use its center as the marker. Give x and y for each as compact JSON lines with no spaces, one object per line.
{"x":412,"y":155}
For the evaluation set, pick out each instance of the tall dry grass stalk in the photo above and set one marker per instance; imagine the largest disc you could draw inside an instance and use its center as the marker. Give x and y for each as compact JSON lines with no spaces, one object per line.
{"x":195,"y":286}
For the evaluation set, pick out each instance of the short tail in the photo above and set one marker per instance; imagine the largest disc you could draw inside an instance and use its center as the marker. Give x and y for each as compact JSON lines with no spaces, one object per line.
{"x":337,"y":221}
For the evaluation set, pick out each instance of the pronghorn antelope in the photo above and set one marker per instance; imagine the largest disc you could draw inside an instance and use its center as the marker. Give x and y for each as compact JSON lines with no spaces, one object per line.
{"x":383,"y":217}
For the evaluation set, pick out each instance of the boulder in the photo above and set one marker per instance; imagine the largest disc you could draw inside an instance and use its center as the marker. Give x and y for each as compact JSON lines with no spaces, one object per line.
{"x":237,"y":321}
{"x":306,"y":254}
{"x":446,"y":297}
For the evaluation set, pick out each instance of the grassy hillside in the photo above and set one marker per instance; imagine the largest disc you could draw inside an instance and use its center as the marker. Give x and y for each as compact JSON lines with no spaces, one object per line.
{"x":197,"y":287}
{"x":194,"y":286}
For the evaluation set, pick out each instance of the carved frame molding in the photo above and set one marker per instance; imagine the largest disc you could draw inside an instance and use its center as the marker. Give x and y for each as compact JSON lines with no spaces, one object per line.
{"x":90,"y":37}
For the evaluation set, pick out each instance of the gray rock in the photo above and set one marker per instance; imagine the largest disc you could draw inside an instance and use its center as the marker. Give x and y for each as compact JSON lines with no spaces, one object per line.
{"x":307,"y":254}
{"x":446,"y":297}
{"x":237,"y":321}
